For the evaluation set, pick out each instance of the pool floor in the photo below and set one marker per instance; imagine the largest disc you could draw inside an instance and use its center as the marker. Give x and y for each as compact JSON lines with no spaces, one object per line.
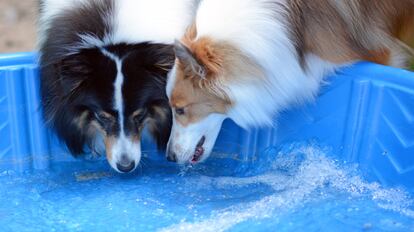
{"x":303,"y":189}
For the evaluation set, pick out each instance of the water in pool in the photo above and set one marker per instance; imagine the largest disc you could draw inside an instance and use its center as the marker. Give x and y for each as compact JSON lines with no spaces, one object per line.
{"x":301,"y":189}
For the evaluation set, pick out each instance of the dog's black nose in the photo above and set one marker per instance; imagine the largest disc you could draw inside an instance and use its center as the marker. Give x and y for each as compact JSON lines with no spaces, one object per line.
{"x":171,"y":156}
{"x":126,"y":168}
{"x":125,"y":164}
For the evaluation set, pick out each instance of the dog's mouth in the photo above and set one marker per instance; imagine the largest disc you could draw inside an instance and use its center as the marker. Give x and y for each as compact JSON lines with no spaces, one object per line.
{"x":199,"y":150}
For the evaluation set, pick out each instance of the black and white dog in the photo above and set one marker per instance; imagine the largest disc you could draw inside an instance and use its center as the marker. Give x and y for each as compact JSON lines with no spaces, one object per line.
{"x":104,"y":65}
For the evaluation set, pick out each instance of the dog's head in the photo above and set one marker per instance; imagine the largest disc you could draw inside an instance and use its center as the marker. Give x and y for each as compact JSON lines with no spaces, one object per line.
{"x":113,"y":93}
{"x":202,"y":93}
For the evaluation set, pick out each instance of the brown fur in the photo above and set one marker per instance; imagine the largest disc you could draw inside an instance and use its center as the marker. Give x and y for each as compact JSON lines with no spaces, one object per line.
{"x":94,"y":127}
{"x":109,"y":142}
{"x":346,"y":30}
{"x":201,"y":93}
{"x":336,"y":30}
{"x":198,"y":102}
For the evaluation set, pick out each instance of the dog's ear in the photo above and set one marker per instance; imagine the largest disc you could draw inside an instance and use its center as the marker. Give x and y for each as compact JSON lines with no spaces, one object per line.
{"x":72,"y":71}
{"x":189,"y":60}
{"x":164,"y":59}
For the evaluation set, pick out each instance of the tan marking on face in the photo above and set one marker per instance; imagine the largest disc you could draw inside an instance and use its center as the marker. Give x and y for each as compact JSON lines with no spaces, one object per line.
{"x":95,"y":126}
{"x":141,"y":126}
{"x":107,"y":116}
{"x":136,"y":113}
{"x":197,"y":102}
{"x":109,"y":143}
{"x":136,"y":138}
{"x":222,"y":64}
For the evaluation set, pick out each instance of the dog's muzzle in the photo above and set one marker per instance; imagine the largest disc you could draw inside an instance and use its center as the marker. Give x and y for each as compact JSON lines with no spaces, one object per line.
{"x":125,"y":165}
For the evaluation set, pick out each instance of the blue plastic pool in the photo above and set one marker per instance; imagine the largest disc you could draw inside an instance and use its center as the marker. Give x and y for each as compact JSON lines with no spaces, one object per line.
{"x":343,"y":163}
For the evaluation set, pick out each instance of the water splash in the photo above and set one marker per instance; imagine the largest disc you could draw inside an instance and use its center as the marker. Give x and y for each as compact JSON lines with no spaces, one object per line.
{"x":299,"y":177}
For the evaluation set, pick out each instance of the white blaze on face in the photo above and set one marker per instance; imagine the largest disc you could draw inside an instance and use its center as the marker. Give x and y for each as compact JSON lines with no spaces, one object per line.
{"x":124,"y":147}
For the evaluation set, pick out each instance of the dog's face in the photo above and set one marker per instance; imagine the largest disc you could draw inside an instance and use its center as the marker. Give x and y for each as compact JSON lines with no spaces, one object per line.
{"x":200,"y":94}
{"x":116,"y":92}
{"x":203,"y":90}
{"x":197,"y":117}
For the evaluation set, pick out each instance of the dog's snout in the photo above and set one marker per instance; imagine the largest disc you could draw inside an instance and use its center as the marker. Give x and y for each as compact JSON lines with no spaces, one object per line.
{"x":124,"y":160}
{"x":125,"y":164}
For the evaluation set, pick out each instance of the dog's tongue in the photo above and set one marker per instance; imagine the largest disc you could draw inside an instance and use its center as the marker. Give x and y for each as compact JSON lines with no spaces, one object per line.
{"x":197,"y":154}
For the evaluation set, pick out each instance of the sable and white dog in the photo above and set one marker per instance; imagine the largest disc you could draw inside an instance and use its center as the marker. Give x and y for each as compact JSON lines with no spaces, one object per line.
{"x":249,"y":59}
{"x":104,"y":65}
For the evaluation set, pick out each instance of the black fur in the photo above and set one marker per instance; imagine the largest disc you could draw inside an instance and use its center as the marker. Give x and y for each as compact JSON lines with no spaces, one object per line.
{"x":146,"y":80}
{"x":92,"y":18}
{"x":77,"y":84}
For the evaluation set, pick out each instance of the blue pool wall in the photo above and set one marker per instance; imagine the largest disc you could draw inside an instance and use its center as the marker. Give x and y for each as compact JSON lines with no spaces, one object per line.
{"x":364,"y":114}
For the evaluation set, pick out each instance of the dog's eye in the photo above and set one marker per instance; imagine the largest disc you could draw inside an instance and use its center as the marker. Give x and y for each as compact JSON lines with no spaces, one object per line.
{"x":179,"y":111}
{"x":139,"y":118}
{"x":104,"y":118}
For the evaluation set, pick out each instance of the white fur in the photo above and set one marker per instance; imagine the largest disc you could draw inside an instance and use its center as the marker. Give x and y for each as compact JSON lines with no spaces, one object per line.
{"x":184,"y":146}
{"x":123,"y":144}
{"x":134,"y":21}
{"x":260,"y":30}
{"x":171,"y":81}
{"x":159,"y":21}
{"x":119,"y":82}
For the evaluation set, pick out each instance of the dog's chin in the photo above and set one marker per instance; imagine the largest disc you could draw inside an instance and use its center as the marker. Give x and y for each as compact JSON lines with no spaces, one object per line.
{"x":196,"y":158}
{"x":197,"y":155}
